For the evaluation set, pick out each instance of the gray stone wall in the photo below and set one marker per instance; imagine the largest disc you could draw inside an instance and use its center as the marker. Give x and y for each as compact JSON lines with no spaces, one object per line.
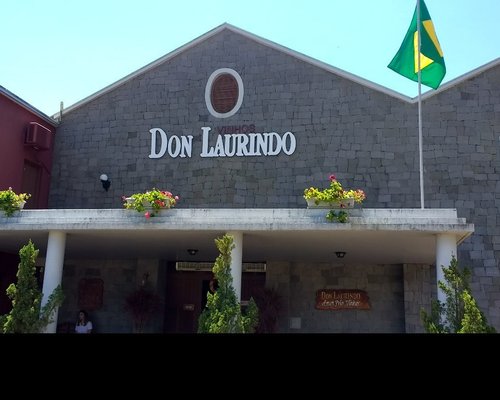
{"x":419,"y":289}
{"x":461,"y":136}
{"x":383,"y":284}
{"x":367,"y":138}
{"x":278,"y":278}
{"x":120,"y":278}
{"x":330,"y":117}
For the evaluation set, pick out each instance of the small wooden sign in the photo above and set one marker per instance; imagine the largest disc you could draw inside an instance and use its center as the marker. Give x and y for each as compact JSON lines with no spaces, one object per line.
{"x":342,"y":299}
{"x":90,"y":294}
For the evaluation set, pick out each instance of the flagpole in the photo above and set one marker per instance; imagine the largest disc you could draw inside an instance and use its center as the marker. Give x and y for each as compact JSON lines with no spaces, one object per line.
{"x":421,"y":159}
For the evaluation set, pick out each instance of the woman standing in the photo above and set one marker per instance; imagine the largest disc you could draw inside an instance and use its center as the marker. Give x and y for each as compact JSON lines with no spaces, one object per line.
{"x":83,"y":325}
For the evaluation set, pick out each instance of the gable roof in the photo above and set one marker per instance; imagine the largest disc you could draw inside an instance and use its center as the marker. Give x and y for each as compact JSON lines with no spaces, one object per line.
{"x":16,"y":99}
{"x":459,"y":79}
{"x":278,"y":47}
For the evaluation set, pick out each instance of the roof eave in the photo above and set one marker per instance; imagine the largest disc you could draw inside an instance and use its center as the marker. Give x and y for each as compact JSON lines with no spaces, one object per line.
{"x":459,"y":79}
{"x":278,"y":47}
{"x":250,"y":36}
{"x":16,"y":99}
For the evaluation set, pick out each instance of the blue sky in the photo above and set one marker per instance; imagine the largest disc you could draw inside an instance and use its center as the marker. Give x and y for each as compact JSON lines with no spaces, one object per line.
{"x":63,"y":50}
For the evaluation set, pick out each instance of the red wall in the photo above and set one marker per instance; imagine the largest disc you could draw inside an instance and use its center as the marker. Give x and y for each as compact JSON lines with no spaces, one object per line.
{"x":14,"y":120}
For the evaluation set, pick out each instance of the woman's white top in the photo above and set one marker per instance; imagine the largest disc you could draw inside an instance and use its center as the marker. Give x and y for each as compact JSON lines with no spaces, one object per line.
{"x":84,"y":328}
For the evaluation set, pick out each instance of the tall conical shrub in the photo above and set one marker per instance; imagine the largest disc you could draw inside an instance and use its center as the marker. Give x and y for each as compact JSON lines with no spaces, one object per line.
{"x":26,"y":315}
{"x":223,"y":311}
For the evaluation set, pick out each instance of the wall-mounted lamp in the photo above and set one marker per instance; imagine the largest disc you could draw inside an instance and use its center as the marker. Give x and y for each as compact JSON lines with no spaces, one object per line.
{"x":340,"y":254}
{"x":106,"y":183}
{"x":192,"y":252}
{"x":145,"y":278}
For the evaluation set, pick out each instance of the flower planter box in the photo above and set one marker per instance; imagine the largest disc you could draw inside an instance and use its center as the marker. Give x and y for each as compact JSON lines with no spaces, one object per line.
{"x":152,"y":201}
{"x":10,"y":202}
{"x":334,"y":191}
{"x":147,"y":205}
{"x":345,"y":203}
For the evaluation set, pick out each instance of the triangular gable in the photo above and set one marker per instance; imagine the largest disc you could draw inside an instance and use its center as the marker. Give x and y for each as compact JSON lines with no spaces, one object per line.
{"x":278,"y":47}
{"x":248,"y":35}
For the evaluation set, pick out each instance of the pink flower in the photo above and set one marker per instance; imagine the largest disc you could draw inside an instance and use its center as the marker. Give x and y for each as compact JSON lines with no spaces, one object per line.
{"x":333,"y":178}
{"x":147,"y":214}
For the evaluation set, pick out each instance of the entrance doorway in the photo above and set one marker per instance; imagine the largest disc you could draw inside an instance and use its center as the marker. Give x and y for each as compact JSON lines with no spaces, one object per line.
{"x":186,"y":296}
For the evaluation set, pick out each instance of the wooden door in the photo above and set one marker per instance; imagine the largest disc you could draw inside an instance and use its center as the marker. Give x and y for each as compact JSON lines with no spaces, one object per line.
{"x":31,"y":183}
{"x":186,"y":296}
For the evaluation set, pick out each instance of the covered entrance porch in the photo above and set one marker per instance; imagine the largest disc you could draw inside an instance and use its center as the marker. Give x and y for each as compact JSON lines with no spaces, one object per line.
{"x":284,"y":238}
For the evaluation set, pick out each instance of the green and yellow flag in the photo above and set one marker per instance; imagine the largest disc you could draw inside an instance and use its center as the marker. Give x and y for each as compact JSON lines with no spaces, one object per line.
{"x":432,"y":66}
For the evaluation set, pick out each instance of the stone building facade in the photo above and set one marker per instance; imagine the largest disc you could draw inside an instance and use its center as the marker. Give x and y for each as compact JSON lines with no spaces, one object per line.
{"x":365,"y":134}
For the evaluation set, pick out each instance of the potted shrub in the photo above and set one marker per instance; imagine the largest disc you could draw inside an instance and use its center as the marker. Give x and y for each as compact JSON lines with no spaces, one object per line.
{"x":11,"y":202}
{"x":151,"y":201}
{"x":334,"y":196}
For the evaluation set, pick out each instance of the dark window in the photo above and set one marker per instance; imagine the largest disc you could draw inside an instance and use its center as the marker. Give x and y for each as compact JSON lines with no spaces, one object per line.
{"x":224,"y":93}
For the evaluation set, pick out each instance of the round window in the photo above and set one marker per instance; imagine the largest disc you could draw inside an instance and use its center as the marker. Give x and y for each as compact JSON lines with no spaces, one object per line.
{"x":224,"y":93}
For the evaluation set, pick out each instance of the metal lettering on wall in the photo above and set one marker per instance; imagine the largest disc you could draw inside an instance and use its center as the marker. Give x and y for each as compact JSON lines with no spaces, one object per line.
{"x":342,"y":299}
{"x":222,"y":144}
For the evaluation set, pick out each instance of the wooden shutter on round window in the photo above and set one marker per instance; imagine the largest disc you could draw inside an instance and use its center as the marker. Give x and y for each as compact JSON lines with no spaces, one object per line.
{"x":224,"y":93}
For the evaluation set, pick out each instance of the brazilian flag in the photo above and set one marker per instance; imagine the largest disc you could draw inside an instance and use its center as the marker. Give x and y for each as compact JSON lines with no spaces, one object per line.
{"x":432,"y":66}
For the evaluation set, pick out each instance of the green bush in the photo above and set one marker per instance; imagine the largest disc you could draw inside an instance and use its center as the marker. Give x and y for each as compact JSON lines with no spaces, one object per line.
{"x":459,"y":313}
{"x":223,"y":312}
{"x":27,"y":315}
{"x":11,"y":202}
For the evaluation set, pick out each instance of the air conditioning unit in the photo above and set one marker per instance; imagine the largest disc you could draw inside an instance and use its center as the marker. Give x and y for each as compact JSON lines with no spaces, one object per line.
{"x":37,"y":136}
{"x":207,"y":266}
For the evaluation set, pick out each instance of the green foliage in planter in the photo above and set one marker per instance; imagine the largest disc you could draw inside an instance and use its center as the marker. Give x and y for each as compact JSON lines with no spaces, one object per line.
{"x":11,"y":202}
{"x":27,"y":315}
{"x":334,"y":193}
{"x":153,"y":199}
{"x":223,"y":312}
{"x":340,"y":216}
{"x":459,"y":314}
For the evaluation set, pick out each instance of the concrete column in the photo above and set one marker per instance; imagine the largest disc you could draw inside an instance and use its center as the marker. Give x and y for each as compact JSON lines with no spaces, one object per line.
{"x":446,"y":248}
{"x":52,"y":275}
{"x":236,"y":262}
